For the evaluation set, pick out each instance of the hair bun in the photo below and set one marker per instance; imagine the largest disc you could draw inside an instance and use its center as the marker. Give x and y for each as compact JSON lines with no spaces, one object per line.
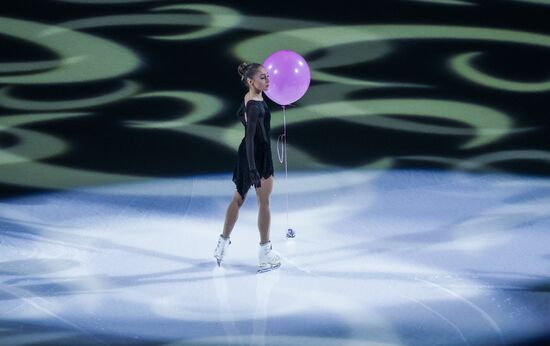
{"x":242,"y":69}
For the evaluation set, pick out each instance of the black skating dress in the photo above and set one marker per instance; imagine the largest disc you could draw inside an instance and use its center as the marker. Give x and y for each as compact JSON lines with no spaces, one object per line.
{"x":255,"y":148}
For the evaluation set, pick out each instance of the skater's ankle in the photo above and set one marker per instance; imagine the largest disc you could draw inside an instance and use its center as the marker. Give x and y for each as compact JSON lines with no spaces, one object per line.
{"x":267,"y":242}
{"x":224,"y":237}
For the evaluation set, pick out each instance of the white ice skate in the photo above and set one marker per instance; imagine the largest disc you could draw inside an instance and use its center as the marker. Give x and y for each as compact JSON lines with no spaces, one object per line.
{"x":268,"y":259}
{"x":221,"y":249}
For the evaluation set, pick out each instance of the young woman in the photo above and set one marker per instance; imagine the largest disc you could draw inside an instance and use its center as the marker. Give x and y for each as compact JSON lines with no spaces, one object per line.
{"x":254,"y":165}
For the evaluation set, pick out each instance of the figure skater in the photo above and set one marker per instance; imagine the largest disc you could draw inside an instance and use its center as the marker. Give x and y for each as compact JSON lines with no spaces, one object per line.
{"x":254,"y":165}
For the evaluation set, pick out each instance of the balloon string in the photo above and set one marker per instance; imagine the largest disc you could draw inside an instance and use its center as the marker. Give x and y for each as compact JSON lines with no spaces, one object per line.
{"x":281,"y":156}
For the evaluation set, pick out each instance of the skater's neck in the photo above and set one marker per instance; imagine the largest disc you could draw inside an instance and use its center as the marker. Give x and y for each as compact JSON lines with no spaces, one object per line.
{"x":254,"y":95}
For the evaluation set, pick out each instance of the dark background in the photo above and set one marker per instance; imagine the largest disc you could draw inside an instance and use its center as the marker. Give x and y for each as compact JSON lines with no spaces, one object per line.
{"x":100,"y":143}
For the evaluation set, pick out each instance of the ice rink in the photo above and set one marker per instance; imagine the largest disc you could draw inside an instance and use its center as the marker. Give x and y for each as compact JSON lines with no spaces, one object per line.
{"x":403,"y":257}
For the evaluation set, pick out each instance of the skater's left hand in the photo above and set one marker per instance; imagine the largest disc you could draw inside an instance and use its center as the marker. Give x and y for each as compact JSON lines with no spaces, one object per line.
{"x":255,"y":178}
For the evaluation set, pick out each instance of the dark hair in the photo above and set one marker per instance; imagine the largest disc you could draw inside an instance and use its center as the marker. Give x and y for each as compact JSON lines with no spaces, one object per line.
{"x":248,"y":70}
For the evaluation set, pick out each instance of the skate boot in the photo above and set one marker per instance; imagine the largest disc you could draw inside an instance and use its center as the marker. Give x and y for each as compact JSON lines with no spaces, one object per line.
{"x":268,"y":259}
{"x":221,"y":249}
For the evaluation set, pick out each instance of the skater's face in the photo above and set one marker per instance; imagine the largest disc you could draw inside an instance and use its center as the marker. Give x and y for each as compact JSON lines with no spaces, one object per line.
{"x":260,"y":81}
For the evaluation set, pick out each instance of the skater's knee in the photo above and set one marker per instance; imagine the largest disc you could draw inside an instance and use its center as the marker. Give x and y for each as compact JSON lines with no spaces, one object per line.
{"x":263,"y":202}
{"x":239,"y":200}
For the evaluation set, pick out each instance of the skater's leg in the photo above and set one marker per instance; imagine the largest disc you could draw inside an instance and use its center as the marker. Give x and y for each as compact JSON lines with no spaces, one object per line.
{"x":232,"y":213}
{"x":267,"y":259}
{"x":264,"y":215}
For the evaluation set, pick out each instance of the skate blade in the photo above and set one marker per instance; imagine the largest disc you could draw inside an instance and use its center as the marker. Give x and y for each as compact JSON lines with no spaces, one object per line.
{"x":268,"y":269}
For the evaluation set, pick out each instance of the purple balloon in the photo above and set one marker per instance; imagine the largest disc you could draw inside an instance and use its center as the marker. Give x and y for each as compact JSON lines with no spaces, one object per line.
{"x":289,"y":76}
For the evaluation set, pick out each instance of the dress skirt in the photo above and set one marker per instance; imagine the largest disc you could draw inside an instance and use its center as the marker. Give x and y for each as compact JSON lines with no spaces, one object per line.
{"x":264,"y":164}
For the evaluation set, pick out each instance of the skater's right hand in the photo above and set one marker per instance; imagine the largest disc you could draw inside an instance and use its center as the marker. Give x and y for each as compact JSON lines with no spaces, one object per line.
{"x":255,"y":178}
